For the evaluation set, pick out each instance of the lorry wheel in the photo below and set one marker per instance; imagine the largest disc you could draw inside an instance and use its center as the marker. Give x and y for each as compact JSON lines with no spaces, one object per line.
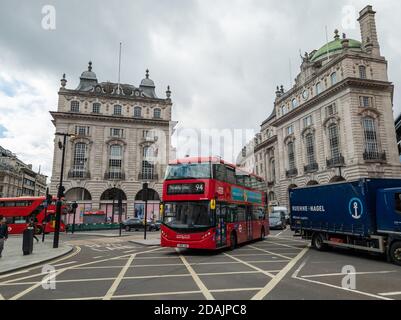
{"x":395,"y":252}
{"x":233,"y":241}
{"x":317,"y":242}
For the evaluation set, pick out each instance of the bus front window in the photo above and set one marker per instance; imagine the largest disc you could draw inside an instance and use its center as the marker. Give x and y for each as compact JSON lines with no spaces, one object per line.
{"x":188,"y":215}
{"x":188,"y":171}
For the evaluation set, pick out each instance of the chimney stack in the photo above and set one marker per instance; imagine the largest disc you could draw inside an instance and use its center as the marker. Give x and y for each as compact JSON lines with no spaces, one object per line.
{"x":367,"y":23}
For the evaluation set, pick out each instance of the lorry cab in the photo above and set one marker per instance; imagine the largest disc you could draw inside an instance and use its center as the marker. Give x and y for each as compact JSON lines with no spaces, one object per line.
{"x":388,"y":208}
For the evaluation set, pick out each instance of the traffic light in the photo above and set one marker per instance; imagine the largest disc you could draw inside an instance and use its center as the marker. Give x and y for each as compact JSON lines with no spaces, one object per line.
{"x":61,"y":191}
{"x":145,"y":192}
{"x":49,"y":199}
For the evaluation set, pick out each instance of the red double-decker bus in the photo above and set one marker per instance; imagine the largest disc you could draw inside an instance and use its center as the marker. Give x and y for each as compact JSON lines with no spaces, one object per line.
{"x":211,"y":204}
{"x":19,"y":211}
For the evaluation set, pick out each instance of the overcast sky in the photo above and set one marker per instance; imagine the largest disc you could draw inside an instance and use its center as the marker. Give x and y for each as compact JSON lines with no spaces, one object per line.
{"x":222,"y":58}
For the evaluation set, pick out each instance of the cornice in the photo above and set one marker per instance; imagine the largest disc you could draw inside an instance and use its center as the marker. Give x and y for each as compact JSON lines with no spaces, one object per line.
{"x":266,"y":143}
{"x":85,"y":116}
{"x":348,"y":82}
{"x":69,"y":92}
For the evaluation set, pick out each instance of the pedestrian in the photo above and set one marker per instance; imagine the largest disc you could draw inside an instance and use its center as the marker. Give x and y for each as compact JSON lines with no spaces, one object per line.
{"x":3,"y":233}
{"x":32,"y":225}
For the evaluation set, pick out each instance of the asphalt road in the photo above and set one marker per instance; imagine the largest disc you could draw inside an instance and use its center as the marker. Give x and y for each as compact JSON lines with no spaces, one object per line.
{"x":280,"y":267}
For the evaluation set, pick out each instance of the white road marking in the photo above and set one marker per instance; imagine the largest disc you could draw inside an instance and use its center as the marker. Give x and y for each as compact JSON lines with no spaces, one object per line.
{"x":388,"y":294}
{"x":343,"y":274}
{"x":120,"y":277}
{"x":249,"y":265}
{"x":78,"y":249}
{"x":235,"y":290}
{"x":295,"y":276}
{"x":270,"y":252}
{"x":276,"y":235}
{"x":205,"y":291}
{"x":270,"y":286}
{"x":98,"y":257}
{"x":1,"y":297}
{"x":64,"y":264}
{"x":285,"y":245}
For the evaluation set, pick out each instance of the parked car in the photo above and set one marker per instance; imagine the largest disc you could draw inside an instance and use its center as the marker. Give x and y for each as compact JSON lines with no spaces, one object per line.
{"x":277,"y":220}
{"x":158,"y":224}
{"x":139,"y":224}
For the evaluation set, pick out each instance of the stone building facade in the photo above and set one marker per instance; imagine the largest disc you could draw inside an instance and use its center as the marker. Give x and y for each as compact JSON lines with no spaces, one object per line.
{"x":17,"y":179}
{"x":121,"y":139}
{"x":336,"y":123}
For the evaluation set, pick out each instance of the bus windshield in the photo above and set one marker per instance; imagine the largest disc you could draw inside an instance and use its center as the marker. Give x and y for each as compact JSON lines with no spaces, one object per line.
{"x":188,"y":215}
{"x":188,"y":171}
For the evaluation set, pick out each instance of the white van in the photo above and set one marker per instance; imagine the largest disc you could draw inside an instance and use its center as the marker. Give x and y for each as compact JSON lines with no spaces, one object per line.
{"x":285,"y":211}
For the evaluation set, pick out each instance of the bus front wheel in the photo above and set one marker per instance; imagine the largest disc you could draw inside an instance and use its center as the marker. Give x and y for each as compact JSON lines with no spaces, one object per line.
{"x":233,"y":241}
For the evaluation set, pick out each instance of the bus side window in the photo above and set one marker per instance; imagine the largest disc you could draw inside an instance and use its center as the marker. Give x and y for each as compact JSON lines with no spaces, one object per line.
{"x":241,"y":213}
{"x":398,"y":202}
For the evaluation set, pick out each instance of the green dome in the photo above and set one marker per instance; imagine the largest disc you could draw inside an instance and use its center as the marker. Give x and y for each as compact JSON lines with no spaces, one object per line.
{"x":335,"y":47}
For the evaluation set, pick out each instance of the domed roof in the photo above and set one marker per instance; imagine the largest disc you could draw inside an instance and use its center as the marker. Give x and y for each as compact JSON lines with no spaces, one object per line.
{"x":89,"y":74}
{"x":147,"y":82}
{"x":335,"y":47}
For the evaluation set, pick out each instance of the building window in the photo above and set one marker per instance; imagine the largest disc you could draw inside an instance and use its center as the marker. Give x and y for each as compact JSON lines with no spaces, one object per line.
{"x":291,"y":155}
{"x":96,"y":108}
{"x":272,"y":170}
{"x":148,"y":169}
{"x":118,"y":133}
{"x":137,"y":112}
{"x":290,"y":130}
{"x":362,"y":72}
{"x":366,"y":102}
{"x":310,"y":149}
{"x":79,"y":160}
{"x":370,"y":135}
{"x":117,"y":110}
{"x":82,"y":131}
{"x":334,"y":142}
{"x":283,"y":110}
{"x":333,"y":78}
{"x":294,"y":103}
{"x":331,"y":110}
{"x":74,"y":106}
{"x":318,"y":88}
{"x":307,"y":121}
{"x":157,"y":113}
{"x":115,"y":161}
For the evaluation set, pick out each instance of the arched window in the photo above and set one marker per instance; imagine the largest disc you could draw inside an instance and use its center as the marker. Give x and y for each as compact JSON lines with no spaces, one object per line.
{"x":74,"y":106}
{"x":115,"y":162}
{"x":318,"y":88}
{"x":334,"y":142}
{"x":333,"y":78}
{"x":273,"y":170}
{"x":291,"y":155}
{"x":157,"y":113}
{"x":310,"y":149}
{"x":362,"y":72}
{"x":371,"y":146}
{"x":137,"y":112}
{"x":79,"y":162}
{"x":117,"y":110}
{"x":294,"y":103}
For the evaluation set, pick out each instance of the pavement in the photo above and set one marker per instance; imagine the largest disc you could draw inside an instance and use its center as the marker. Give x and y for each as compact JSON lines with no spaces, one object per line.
{"x":13,"y":258}
{"x":280,"y":267}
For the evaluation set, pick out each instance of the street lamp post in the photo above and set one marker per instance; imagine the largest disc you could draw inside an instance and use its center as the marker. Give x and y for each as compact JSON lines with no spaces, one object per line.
{"x":145,"y":198}
{"x":61,"y":189}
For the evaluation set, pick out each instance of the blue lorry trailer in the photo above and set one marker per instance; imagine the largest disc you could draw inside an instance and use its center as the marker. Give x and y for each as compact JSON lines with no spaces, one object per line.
{"x":363,"y":215}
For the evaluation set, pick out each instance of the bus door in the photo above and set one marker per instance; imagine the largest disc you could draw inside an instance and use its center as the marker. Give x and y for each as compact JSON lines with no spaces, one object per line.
{"x":249,"y":226}
{"x":221,"y":229}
